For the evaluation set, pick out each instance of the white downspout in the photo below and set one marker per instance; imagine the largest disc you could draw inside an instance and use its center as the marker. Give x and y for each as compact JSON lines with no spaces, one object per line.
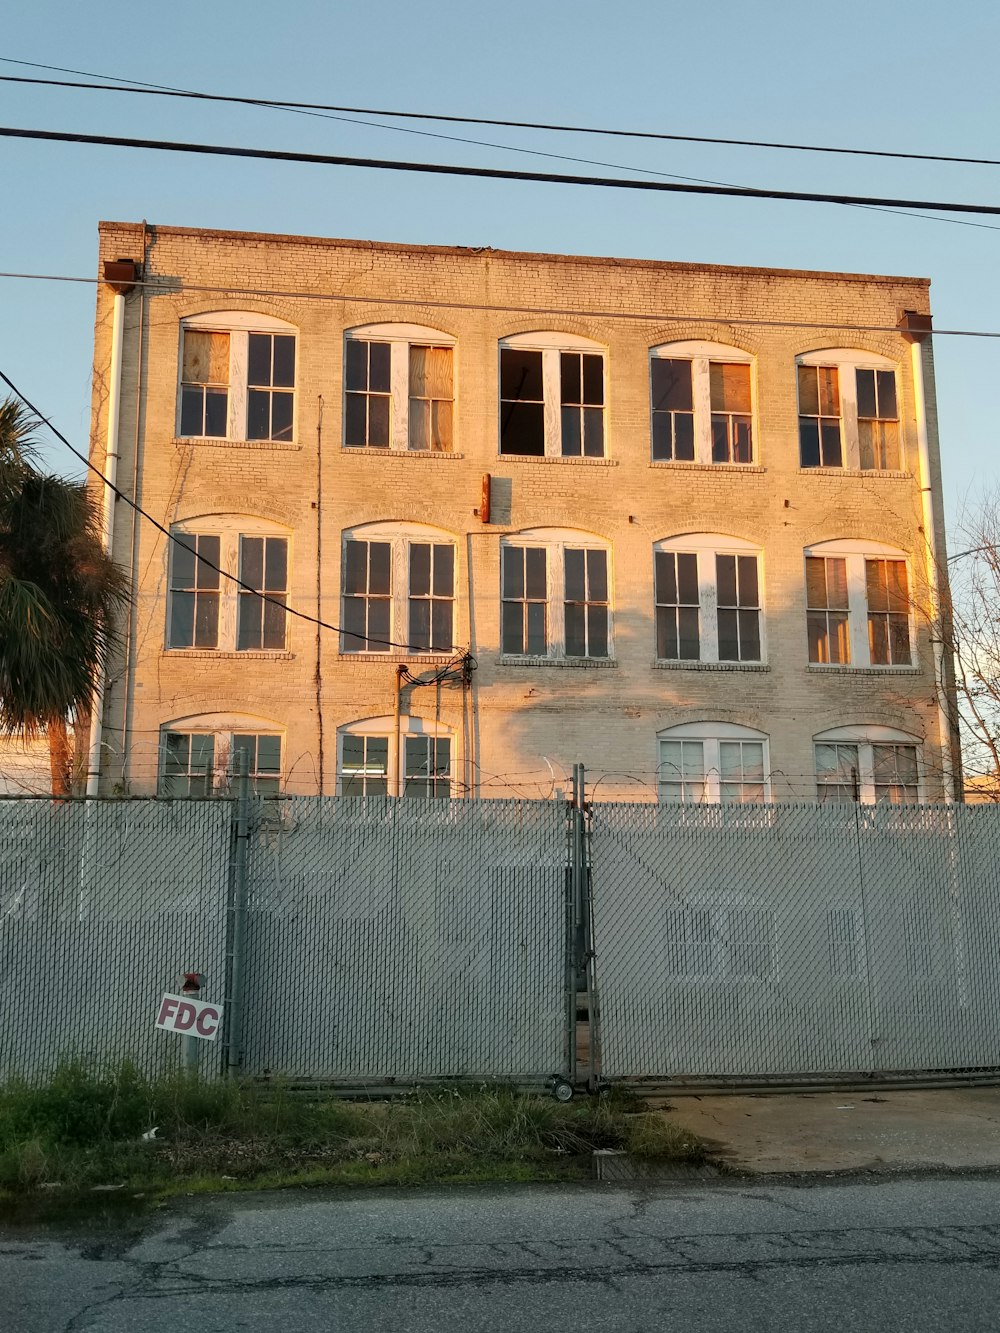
{"x":933,"y":568}
{"x":110,"y":470}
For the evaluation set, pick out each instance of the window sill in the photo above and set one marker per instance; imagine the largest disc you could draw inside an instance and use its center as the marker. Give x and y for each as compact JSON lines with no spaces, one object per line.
{"x":892,"y":474}
{"x":586,"y":663}
{"x":833,"y":669}
{"x":214,"y":442}
{"x":558,"y":459}
{"x":366,"y":451}
{"x":398,"y":658}
{"x":710,"y":666}
{"x":683,"y":465}
{"x":229,"y":654}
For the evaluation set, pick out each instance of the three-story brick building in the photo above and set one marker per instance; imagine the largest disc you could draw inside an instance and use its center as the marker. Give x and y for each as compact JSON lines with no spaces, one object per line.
{"x":679,"y":522}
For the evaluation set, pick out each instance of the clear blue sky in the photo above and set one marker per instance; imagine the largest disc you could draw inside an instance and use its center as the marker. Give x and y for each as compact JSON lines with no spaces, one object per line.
{"x":919,"y":77}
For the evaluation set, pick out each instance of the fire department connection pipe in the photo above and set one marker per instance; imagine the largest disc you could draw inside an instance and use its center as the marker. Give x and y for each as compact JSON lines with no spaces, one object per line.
{"x":933,"y":569}
{"x":110,"y":470}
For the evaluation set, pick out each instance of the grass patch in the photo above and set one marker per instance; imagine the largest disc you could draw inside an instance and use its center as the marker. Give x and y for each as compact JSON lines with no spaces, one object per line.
{"x":84,"y":1129}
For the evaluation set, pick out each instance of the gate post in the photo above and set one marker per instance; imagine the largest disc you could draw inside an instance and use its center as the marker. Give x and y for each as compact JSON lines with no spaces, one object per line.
{"x":237,"y":972}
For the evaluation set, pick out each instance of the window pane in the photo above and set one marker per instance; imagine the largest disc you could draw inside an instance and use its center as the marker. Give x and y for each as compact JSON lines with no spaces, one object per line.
{"x":535,"y":558}
{"x":665,"y":577}
{"x":570,"y":375}
{"x":512,"y":628}
{"x":182,"y":560}
{"x":380,"y":367}
{"x":836,"y":583}
{"x":897,"y":590}
{"x":353,"y":752}
{"x":356,"y":367}
{"x":420,"y":624}
{"x":742,"y":440}
{"x":899,"y":640}
{"x":378,"y":422}
{"x":663,"y":438}
{"x":575,"y":584}
{"x":571,"y":427}
{"x":206,"y":624}
{"x":258,"y":414}
{"x":829,"y":391}
{"x":276,"y":564}
{"x":593,"y":432}
{"x":747,"y":567}
{"x":355,"y":418}
{"x":830,"y":443}
{"x":689,"y":647}
{"x":274,"y":622}
{"x":252,"y":561}
{"x":666,"y":633}
{"x":202,"y":753}
{"x":281,"y":416}
{"x":259,"y":359}
{"x":441,"y":626}
{"x":284,"y":361}
{"x":420,"y":423}
{"x":875,"y":585}
{"x":192,"y":405}
{"x":522,"y":429}
{"x":886,"y":380}
{"x":216,"y":413}
{"x":809,"y":442}
{"x":536,"y":629}
{"x":687,"y":578}
{"x":441,"y":427}
{"x":749,"y":624}
{"x":356,"y":567}
{"x":729,"y":387}
{"x":729,"y":646}
{"x":181,"y":620}
{"x":671,"y":381}
{"x":206,"y":357}
{"x":597,"y":622}
{"x":520,"y":375}
{"x":354,"y":624}
{"x":593,"y":380}
{"x":725,"y":575}
{"x":866,"y":394}
{"x":444,"y":571}
{"x":576,"y":643}
{"x":808,"y":391}
{"x":379,"y":576}
{"x":420,"y":569}
{"x":207,"y":570}
{"x":250,"y":619}
{"x":597,"y":575}
{"x":512,"y":570}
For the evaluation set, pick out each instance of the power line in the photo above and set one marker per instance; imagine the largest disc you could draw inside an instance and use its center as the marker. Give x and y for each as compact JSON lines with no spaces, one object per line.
{"x":153,"y":286}
{"x":649,"y":135}
{"x":325,"y":113}
{"x":491,"y":173}
{"x":177,"y":539}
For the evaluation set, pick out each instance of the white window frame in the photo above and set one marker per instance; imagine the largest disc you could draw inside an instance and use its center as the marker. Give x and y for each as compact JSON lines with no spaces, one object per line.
{"x":865,"y":738}
{"x":701,"y":355}
{"x":551,"y":345}
{"x":222,"y":727}
{"x":705,"y":546}
{"x":400,"y":338}
{"x":710,"y":735}
{"x":556,"y":542}
{"x":238,"y":324}
{"x":856,"y":553}
{"x":400,"y":537}
{"x":847,"y":362}
{"x":384,"y":728}
{"x":229,"y":528}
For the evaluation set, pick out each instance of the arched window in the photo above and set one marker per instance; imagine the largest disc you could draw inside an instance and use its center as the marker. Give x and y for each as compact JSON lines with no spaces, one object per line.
{"x":236,"y":377}
{"x":198,"y":754}
{"x":708,"y":593}
{"x":555,"y":595}
{"x":369,"y":763}
{"x":713,"y":762}
{"x":552,"y":396}
{"x":207,"y":610}
{"x":848,"y":410}
{"x":702,"y":403}
{"x":859,"y":605}
{"x":867,"y":763}
{"x":398,"y":589}
{"x":399,"y":388}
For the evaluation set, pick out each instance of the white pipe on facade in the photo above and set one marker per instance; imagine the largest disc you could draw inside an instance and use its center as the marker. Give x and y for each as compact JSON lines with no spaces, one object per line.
{"x":110,"y":470}
{"x":933,"y":569}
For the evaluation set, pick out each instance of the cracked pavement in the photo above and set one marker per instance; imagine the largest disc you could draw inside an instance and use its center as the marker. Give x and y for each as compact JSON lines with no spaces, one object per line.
{"x":892,"y":1253}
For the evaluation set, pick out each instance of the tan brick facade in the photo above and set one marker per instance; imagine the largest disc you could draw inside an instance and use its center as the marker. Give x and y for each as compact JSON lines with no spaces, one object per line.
{"x":518,"y":728}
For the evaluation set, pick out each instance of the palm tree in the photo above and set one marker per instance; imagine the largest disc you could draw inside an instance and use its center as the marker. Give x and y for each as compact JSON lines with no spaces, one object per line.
{"x":59,"y":597}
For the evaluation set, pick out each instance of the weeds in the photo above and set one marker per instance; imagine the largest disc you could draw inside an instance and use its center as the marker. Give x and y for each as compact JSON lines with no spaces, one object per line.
{"x":85,"y":1128}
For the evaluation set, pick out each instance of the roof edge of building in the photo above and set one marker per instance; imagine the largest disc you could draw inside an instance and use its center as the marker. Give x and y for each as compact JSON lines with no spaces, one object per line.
{"x":472,"y":251}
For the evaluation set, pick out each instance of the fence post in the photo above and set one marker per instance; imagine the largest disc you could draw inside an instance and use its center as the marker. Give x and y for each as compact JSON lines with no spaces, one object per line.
{"x":238,"y":961}
{"x":572,"y":890}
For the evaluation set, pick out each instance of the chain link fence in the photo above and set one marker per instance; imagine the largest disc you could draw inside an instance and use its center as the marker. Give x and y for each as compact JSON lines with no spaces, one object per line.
{"x":369,"y":941}
{"x":749,"y":941}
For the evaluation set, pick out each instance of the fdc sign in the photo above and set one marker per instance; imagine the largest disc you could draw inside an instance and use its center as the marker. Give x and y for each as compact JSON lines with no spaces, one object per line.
{"x":191,"y":1018}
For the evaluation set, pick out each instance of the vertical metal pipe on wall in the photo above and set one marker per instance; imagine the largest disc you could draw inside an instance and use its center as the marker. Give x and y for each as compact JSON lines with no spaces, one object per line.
{"x":933,"y":571}
{"x":110,"y":470}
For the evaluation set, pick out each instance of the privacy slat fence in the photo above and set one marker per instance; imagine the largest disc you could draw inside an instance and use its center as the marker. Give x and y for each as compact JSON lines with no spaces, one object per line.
{"x":381,"y":941}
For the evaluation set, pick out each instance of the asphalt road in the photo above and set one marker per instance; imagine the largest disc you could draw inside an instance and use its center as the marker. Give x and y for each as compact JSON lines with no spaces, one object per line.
{"x":913,"y":1254}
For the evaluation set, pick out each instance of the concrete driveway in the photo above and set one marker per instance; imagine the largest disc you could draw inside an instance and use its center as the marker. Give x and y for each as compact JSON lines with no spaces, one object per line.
{"x":953,"y":1129}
